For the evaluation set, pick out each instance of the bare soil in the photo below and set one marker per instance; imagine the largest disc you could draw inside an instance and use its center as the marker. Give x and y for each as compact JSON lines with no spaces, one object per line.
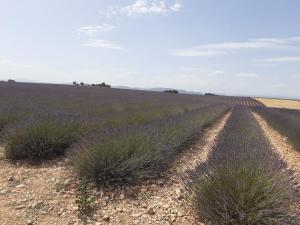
{"x":42,"y":194}
{"x":46,"y":194}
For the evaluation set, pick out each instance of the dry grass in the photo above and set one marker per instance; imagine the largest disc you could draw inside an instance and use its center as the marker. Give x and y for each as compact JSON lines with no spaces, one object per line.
{"x":280,"y":103}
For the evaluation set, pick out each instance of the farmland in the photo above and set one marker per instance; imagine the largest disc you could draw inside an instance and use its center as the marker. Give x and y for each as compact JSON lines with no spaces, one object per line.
{"x":280,"y":103}
{"x":98,"y":155}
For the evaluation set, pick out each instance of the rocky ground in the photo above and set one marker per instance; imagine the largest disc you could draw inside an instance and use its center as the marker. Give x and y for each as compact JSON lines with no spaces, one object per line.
{"x":36,"y":195}
{"x":46,"y":194}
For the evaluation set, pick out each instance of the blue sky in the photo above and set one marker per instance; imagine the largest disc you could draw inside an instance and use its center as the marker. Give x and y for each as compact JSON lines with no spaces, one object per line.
{"x":235,"y":47}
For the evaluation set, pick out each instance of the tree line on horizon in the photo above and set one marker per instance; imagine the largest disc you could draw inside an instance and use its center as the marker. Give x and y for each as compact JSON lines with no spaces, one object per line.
{"x":103,"y":84}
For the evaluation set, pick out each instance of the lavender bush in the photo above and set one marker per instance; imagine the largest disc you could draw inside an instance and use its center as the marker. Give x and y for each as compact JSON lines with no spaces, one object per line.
{"x":40,"y":138}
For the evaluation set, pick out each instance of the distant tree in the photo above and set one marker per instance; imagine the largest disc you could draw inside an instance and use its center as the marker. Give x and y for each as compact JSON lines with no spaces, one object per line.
{"x":103,"y":85}
{"x":93,"y":85}
{"x":212,"y":94}
{"x":172,"y":91}
{"x":11,"y":81}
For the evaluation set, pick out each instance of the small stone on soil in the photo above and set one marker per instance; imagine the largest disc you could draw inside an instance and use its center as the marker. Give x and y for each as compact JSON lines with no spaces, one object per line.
{"x":106,"y":218}
{"x":29,"y":222}
{"x":150,"y":211}
{"x":20,"y":207}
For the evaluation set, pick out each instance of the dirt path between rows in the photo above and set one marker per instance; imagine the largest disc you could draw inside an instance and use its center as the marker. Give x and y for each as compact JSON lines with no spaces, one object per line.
{"x":46,"y":194}
{"x":36,"y":195}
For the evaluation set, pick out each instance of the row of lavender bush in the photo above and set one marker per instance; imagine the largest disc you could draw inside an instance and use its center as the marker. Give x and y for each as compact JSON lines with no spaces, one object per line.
{"x":286,"y":121}
{"x":243,"y":181}
{"x":138,"y":152}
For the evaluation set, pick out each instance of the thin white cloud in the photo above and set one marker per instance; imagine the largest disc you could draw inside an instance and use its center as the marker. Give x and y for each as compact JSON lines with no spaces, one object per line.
{"x":176,"y":6}
{"x":196,"y":52}
{"x":146,"y":7}
{"x":247,"y":75}
{"x":282,"y":59}
{"x":263,"y":64}
{"x":100,"y":43}
{"x":209,"y":50}
{"x":218,"y":72}
{"x":92,"y":30}
{"x":4,"y":61}
{"x":8,"y":62}
{"x":13,"y":69}
{"x":278,"y":85}
{"x":239,"y":45}
{"x":279,"y":40}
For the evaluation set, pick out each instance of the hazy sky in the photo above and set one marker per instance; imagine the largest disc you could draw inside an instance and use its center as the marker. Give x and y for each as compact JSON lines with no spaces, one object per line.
{"x":225,"y":46}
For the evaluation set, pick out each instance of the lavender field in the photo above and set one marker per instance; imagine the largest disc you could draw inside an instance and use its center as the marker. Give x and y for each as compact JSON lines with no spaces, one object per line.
{"x":40,"y":121}
{"x":119,"y":141}
{"x":149,"y":112}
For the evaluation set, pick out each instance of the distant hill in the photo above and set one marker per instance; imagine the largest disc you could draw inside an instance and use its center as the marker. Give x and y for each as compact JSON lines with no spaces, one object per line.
{"x":127,"y":87}
{"x":159,"y":89}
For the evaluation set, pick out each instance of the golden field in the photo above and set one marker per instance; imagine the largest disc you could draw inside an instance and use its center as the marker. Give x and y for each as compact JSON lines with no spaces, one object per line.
{"x":280,"y":103}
